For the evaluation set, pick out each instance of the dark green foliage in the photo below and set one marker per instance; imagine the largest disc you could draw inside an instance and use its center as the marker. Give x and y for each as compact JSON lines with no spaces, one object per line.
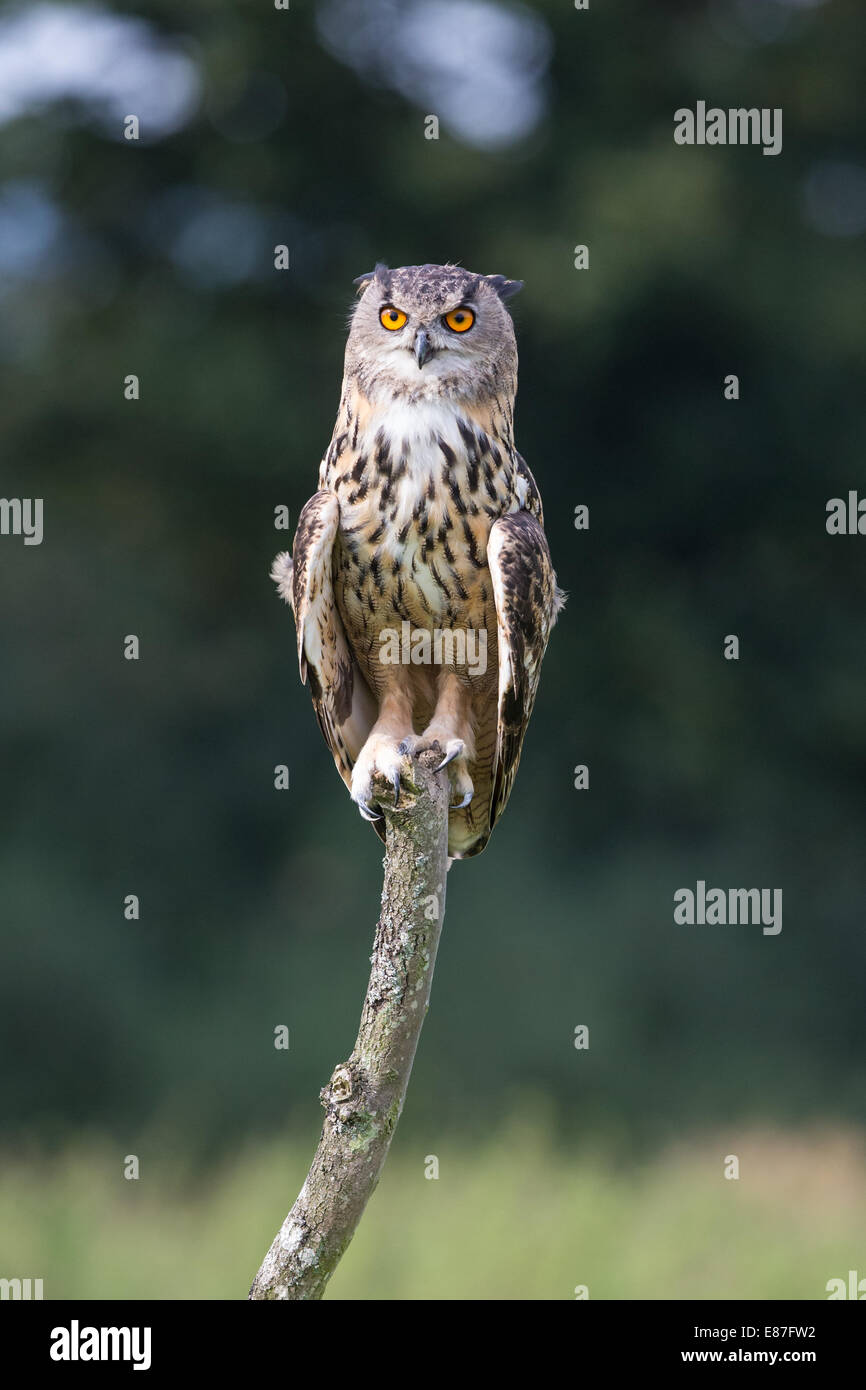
{"x":707,"y":518}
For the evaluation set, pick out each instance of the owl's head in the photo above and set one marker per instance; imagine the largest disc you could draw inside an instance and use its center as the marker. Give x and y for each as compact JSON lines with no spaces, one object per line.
{"x":427,"y":330}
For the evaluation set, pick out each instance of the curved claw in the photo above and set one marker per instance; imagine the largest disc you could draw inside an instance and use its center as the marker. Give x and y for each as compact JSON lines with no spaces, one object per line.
{"x":456,"y":750}
{"x":366,"y":812}
{"x":459,"y":806}
{"x":396,"y":784}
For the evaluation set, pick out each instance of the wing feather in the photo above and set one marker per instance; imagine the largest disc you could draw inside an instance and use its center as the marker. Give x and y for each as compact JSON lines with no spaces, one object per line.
{"x":527,"y":601}
{"x":342,"y":700}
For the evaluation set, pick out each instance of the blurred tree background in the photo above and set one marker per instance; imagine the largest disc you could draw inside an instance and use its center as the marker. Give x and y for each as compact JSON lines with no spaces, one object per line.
{"x":707,"y":517}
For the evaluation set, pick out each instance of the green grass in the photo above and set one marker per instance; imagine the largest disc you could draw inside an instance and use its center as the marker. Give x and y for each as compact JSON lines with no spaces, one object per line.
{"x":513,"y":1218}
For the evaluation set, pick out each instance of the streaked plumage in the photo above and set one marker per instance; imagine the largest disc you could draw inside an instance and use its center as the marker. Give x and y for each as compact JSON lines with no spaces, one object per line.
{"x":426,"y":515}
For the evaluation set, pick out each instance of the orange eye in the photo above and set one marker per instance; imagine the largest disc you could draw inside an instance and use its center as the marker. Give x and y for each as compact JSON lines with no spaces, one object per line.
{"x":459,"y":320}
{"x":392,"y":318}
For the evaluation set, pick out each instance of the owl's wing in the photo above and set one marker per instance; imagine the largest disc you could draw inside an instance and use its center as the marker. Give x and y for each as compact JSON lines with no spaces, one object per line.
{"x":344,"y":706}
{"x":526,"y":489}
{"x":527,"y":602}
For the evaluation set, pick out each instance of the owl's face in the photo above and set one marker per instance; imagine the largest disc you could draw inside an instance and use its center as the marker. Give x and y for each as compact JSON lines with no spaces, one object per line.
{"x":429,"y":330}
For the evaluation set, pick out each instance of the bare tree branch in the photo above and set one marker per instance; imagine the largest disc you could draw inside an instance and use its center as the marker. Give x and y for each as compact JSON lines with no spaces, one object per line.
{"x":365,"y":1095}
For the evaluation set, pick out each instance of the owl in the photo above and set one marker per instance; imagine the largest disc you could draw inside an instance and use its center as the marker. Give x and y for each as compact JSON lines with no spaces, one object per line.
{"x":420,"y":580}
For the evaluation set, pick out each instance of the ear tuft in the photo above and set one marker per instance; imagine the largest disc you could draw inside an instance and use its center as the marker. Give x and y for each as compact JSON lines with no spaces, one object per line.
{"x":506,"y":289}
{"x":379,"y":272}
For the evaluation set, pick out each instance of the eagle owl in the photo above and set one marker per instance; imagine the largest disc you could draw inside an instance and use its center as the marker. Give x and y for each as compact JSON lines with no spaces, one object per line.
{"x":421,"y":580}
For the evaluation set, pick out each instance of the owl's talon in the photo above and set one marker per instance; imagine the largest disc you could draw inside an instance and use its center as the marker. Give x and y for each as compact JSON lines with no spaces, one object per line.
{"x":378,"y":768}
{"x":453,"y":749}
{"x":460,"y":805}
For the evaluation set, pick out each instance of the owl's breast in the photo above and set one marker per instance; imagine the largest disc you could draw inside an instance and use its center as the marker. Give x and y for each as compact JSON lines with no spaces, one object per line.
{"x":419,"y":492}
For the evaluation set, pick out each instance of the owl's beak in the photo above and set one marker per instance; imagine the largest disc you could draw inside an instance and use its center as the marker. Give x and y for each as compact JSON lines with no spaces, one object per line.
{"x":423,"y":347}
